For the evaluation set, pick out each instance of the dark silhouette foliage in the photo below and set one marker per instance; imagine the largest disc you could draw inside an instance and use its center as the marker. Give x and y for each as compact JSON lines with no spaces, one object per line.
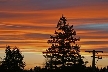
{"x":13,"y":61}
{"x":69,"y":69}
{"x":64,"y":52}
{"x":62,"y":56}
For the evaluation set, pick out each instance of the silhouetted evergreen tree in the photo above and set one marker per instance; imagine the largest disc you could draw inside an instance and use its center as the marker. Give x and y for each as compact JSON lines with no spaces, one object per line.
{"x":13,"y":61}
{"x":63,"y":51}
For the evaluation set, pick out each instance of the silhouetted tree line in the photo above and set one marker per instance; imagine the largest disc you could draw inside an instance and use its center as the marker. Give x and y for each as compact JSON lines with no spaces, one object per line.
{"x":62,"y":56}
{"x":68,"y":69}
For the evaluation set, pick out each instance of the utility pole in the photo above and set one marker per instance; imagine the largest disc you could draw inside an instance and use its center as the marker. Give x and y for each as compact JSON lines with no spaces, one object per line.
{"x":94,"y":56}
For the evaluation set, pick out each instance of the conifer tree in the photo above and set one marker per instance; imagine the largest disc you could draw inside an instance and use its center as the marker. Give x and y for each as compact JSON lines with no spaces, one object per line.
{"x":13,"y":61}
{"x":64,"y":52}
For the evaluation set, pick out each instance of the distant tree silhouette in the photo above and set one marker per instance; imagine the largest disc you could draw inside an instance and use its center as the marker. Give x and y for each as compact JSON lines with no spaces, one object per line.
{"x":37,"y":69}
{"x":13,"y":61}
{"x":63,"y":51}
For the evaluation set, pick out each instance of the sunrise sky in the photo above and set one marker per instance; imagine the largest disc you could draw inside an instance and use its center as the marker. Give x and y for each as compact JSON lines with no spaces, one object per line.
{"x":28,"y":25}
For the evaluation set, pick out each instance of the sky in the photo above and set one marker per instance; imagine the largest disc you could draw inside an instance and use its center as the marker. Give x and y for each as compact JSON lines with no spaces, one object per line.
{"x":28,"y":25}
